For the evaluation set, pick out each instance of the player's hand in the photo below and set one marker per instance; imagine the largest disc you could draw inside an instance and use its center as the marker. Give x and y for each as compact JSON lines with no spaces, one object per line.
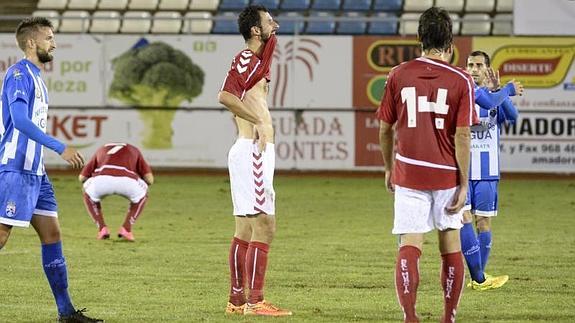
{"x":458,"y":200}
{"x":388,"y":184}
{"x":73,"y":157}
{"x":264,"y":134}
{"x":518,"y":87}
{"x":492,"y":81}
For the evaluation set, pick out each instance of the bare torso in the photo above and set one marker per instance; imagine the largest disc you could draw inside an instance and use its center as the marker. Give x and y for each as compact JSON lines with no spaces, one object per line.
{"x":256,"y":99}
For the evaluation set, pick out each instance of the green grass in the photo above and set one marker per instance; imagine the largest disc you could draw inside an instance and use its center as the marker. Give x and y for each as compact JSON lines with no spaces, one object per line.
{"x":332,"y":260}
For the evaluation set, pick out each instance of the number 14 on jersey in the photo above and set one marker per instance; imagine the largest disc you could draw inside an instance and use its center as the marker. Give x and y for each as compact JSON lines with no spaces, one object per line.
{"x":421,"y":103}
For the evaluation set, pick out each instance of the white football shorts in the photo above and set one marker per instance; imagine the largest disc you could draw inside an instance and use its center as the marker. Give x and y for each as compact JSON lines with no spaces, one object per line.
{"x":251,"y":178}
{"x":422,"y":211}
{"x":98,"y":187}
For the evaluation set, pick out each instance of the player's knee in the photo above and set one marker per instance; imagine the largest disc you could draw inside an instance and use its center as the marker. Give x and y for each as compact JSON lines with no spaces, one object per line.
{"x":483,"y":224}
{"x":51,"y":236}
{"x":265,"y":230}
{"x":467,"y":217}
{"x":4,"y":238}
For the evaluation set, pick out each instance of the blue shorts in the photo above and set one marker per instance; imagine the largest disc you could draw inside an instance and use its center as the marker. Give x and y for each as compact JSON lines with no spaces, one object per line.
{"x":24,"y":195}
{"x":482,"y":197}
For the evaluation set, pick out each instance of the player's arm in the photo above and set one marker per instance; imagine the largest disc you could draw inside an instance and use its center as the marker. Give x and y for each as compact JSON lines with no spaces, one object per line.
{"x":463,"y":153}
{"x":143,"y":168}
{"x":148,"y":178}
{"x":18,"y":113}
{"x":507,"y":112}
{"x":462,"y":140}
{"x":89,"y":168}
{"x":386,"y":135}
{"x":263,"y":131}
{"x":498,"y":97}
{"x":387,"y":115}
{"x":238,"y":108}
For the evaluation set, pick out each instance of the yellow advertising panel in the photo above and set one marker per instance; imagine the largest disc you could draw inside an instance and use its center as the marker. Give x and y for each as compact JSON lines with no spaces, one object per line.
{"x":537,"y":62}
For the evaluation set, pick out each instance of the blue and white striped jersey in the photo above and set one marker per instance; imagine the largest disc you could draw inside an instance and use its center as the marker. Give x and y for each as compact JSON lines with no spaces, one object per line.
{"x":484,"y":164}
{"x":18,"y":152}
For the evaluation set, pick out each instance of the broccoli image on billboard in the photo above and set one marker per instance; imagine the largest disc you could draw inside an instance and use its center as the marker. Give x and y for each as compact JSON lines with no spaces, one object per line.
{"x":157,"y":78}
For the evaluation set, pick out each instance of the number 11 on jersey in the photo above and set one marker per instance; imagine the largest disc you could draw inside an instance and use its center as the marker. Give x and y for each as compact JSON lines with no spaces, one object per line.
{"x":417,"y":104}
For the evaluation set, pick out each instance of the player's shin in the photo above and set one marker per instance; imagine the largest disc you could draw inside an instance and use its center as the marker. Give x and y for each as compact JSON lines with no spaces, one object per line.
{"x":95,"y":211}
{"x":407,"y":280}
{"x":256,"y":265}
{"x":56,"y":272}
{"x":452,"y":277}
{"x":471,"y":251}
{"x":237,"y":262}
{"x":485,"y":247}
{"x":133,"y":213}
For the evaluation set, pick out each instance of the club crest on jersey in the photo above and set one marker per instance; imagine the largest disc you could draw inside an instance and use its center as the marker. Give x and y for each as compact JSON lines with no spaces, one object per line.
{"x":10,"y":209}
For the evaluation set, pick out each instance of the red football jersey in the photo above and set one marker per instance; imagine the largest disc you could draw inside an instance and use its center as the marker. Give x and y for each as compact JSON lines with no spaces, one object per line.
{"x":427,"y":99}
{"x":247,"y":69}
{"x":117,"y":159}
{"x":242,"y":71}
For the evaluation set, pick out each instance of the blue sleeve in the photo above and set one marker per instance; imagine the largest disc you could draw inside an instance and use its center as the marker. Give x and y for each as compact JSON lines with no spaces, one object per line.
{"x":500,"y":96}
{"x":18,"y":86}
{"x":483,"y":99}
{"x":18,"y":112}
{"x":507,"y":112}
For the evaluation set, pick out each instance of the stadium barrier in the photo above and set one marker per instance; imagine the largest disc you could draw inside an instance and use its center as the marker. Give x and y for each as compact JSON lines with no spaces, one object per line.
{"x":323,"y":93}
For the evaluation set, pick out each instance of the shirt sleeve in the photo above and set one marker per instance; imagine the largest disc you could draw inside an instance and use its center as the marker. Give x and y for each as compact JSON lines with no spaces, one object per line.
{"x":235,"y":82}
{"x":387,"y":111}
{"x":466,"y":115}
{"x":495,"y":98}
{"x":483,"y":99}
{"x":143,"y":167}
{"x":18,"y":86}
{"x":507,"y":112}
{"x":89,"y":168}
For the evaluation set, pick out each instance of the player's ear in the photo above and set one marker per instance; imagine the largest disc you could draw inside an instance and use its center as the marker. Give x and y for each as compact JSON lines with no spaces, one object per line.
{"x":30,"y":43}
{"x":256,"y":31}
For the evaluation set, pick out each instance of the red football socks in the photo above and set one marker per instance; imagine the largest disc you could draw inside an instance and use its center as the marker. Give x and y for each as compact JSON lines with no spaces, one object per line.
{"x":133,"y":213}
{"x":256,"y":264}
{"x":95,"y":210}
{"x":452,"y":279}
{"x":407,"y":280}
{"x":237,"y":261}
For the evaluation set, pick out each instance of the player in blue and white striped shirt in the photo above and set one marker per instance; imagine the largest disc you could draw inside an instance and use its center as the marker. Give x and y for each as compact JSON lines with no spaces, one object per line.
{"x":26,"y":194}
{"x":493,"y":108}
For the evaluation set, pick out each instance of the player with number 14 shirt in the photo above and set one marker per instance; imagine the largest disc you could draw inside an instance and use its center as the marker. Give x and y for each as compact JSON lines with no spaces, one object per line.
{"x":422,"y":110}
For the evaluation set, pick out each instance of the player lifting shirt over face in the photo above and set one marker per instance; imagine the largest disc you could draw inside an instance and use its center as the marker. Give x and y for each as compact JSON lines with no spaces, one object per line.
{"x":251,"y":162}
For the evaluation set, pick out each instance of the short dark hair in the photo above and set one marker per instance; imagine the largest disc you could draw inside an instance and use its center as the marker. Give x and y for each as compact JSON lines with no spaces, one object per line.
{"x":28,"y":26}
{"x":484,"y":54}
{"x":250,"y":17}
{"x":435,"y":29}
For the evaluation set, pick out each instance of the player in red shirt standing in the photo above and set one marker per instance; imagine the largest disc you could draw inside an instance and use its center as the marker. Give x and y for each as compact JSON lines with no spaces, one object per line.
{"x":251,"y":163}
{"x":431,"y":105}
{"x":116,"y":168}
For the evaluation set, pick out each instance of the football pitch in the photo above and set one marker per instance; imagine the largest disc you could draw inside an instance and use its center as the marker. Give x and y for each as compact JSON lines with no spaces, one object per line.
{"x":332,"y":259}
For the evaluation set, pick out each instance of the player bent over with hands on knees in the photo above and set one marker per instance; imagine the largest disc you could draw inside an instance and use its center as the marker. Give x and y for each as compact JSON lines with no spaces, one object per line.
{"x":116,"y":169}
{"x":428,"y":107}
{"x":494,"y":108}
{"x":26,"y":194}
{"x":251,"y":162}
